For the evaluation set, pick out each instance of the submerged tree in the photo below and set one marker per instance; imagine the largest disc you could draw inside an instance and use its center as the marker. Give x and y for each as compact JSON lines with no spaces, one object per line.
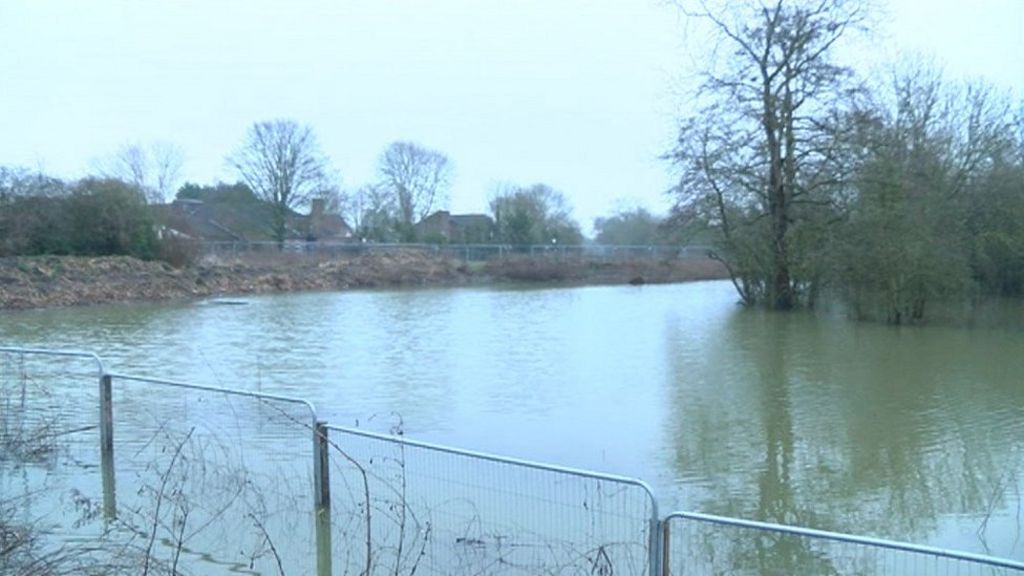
{"x":996,"y":219}
{"x":922,"y":226}
{"x":281,"y":162}
{"x":893,"y":198}
{"x":759,"y":158}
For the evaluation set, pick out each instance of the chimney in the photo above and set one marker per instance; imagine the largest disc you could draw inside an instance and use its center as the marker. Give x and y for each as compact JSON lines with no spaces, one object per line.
{"x":316,"y":217}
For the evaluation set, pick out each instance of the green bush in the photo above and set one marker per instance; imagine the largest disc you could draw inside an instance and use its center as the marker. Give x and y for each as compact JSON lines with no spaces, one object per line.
{"x":95,"y":217}
{"x":110,"y":217}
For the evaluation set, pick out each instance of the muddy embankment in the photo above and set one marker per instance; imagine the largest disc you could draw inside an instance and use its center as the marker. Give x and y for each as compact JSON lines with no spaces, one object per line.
{"x":47,"y":281}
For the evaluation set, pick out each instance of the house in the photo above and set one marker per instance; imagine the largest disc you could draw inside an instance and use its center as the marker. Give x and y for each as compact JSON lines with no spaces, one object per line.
{"x":442,"y":226}
{"x":229,"y":215}
{"x":191,"y":218}
{"x":322,"y":225}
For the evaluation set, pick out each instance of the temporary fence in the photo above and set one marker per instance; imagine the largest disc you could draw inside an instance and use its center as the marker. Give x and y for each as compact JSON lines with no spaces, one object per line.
{"x":219,"y":476}
{"x":403,"y":507}
{"x":703,"y":544}
{"x":233,"y":481}
{"x":463,"y":252}
{"x":44,"y":430}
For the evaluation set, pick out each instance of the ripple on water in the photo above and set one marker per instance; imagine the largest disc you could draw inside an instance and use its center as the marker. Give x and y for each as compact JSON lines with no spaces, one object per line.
{"x":902,"y":433}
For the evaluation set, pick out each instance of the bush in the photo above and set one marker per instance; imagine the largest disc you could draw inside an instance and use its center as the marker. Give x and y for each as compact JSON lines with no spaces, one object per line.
{"x":99,"y":217}
{"x":178,"y":251}
{"x":34,"y":225}
{"x":109,"y":217}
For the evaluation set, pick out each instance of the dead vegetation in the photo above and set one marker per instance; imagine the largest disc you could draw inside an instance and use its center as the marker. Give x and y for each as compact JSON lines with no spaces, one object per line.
{"x":557,"y":269}
{"x":48,"y":281}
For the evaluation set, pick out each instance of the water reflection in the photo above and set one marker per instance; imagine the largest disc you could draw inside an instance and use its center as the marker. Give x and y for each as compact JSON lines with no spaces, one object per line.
{"x":857,"y":428}
{"x":905,"y":433}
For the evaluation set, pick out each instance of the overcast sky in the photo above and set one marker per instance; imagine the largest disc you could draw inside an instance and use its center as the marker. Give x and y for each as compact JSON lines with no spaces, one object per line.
{"x":579,"y":94}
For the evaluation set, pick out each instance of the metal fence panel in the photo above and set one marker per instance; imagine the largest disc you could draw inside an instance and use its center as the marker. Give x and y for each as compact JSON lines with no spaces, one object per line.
{"x":208,"y":480}
{"x":704,"y":545}
{"x":216,"y":481}
{"x":49,"y":448}
{"x":406,"y":507}
{"x":464,"y":252}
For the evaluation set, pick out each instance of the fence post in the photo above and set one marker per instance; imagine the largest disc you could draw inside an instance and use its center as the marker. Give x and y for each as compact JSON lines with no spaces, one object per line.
{"x":666,"y":540}
{"x":654,"y":545}
{"x":107,"y":447}
{"x":322,"y":498}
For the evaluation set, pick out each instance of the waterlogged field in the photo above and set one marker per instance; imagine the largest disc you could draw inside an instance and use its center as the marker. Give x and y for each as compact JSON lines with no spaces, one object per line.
{"x":914,"y":434}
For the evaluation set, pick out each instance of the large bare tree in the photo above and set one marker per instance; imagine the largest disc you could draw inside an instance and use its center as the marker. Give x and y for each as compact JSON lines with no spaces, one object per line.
{"x":281,"y":162}
{"x":759,"y":154}
{"x":418,"y":178}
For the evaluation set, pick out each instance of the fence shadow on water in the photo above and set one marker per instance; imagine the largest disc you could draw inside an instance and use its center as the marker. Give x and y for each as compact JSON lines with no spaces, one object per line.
{"x":106,"y":473}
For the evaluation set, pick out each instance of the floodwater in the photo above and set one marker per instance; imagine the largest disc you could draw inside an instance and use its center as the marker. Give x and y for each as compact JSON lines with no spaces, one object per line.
{"x":913,"y":434}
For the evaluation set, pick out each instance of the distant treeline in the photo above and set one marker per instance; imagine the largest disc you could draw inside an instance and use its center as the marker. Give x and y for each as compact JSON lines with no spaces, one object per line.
{"x":102,"y":216}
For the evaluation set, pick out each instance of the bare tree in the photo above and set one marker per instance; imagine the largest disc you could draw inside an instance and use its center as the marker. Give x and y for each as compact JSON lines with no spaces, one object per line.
{"x":166,"y":160}
{"x":370,"y":210}
{"x":418,"y":178}
{"x":155,"y":169}
{"x":759,"y":153}
{"x":281,"y":162}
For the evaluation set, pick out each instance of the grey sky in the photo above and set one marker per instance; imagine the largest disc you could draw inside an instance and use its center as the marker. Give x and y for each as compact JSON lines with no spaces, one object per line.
{"x":580,"y":94}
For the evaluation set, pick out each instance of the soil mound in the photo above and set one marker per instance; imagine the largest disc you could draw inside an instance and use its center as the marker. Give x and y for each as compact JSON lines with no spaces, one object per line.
{"x":44,"y":281}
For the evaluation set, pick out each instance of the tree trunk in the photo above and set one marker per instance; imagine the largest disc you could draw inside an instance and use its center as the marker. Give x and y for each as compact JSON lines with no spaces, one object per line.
{"x":780,"y":293}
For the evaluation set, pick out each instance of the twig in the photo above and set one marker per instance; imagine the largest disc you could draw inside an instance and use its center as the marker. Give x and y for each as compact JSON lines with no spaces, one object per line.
{"x":366,"y":495}
{"x":180,"y":538}
{"x":159,"y":500}
{"x":270,"y":543}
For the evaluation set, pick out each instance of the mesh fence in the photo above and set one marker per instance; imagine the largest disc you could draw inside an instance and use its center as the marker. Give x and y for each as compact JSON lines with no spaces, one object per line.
{"x":403,"y":507}
{"x":215,"y":482}
{"x":464,"y":252}
{"x":48,"y":407}
{"x":49,"y":447}
{"x":705,"y":546}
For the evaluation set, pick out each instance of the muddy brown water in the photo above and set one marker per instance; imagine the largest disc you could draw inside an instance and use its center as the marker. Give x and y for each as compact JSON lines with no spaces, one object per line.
{"x":907,"y":433}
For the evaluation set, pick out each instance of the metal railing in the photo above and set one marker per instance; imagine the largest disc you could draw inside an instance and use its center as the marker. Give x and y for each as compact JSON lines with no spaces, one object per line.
{"x":403,"y":506}
{"x":463,"y":252}
{"x":256,"y":482}
{"x":700,"y":544}
{"x":236,"y":471}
